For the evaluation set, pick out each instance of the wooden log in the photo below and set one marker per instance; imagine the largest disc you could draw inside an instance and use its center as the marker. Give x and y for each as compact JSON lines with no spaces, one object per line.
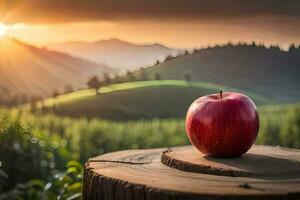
{"x":184,"y":173}
{"x":260,"y":161}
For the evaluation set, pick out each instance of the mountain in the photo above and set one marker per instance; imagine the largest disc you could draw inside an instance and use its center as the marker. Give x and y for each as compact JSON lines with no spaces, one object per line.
{"x":270,"y":72}
{"x":31,"y":71}
{"x":115,"y":53}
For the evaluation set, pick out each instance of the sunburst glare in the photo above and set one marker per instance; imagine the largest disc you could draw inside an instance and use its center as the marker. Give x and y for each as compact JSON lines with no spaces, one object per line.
{"x":2,"y":29}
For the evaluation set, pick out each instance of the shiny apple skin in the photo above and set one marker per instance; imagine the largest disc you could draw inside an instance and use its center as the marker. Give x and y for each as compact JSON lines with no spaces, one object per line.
{"x":224,"y":127}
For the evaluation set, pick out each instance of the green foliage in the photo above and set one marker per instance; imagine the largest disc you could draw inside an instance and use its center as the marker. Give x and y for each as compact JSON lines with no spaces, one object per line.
{"x":27,"y":154}
{"x":280,"y":125}
{"x":68,"y":143}
{"x":20,"y":147}
{"x":65,"y":185}
{"x":60,"y":136}
{"x":86,"y":138}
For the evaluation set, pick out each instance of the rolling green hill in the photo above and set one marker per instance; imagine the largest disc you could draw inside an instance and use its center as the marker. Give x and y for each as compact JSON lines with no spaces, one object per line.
{"x":137,"y":100}
{"x":266,"y":71}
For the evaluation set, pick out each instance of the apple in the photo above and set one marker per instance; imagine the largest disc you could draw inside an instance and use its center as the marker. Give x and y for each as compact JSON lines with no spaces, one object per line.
{"x":223,"y":124}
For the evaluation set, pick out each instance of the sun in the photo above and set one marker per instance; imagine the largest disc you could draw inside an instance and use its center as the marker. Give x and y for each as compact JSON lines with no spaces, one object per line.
{"x":2,"y":29}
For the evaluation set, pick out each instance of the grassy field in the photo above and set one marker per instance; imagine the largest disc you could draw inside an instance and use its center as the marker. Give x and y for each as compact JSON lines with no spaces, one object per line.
{"x":137,"y":100}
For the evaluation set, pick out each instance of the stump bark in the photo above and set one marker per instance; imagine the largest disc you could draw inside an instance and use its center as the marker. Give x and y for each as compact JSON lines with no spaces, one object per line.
{"x":184,"y":173}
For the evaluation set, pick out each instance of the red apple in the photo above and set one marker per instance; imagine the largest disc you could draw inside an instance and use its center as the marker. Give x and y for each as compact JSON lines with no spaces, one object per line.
{"x":222,"y":125}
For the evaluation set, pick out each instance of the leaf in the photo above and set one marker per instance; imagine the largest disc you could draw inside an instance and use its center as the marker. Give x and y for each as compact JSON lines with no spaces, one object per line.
{"x":74,"y":163}
{"x":11,"y":194}
{"x":3,"y":174}
{"x":72,"y":170}
{"x":74,"y":187}
{"x":65,"y":179}
{"x":37,"y":183}
{"x":74,"y":196}
{"x":48,"y":186}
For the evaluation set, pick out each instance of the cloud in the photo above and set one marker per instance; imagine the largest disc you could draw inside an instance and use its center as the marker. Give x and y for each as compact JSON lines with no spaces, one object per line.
{"x":42,"y":11}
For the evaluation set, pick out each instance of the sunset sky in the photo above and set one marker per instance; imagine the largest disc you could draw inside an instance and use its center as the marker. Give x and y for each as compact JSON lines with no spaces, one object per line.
{"x":176,"y":23}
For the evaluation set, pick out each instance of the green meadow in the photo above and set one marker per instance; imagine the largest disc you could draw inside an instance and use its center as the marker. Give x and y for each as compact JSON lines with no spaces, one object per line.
{"x":137,"y":100}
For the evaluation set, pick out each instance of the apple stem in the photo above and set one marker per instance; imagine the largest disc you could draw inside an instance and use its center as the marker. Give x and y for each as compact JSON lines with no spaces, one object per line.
{"x":221,"y":94}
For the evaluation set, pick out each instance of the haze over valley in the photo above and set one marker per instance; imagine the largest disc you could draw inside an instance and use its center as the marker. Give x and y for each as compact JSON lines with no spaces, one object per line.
{"x":115,"y":53}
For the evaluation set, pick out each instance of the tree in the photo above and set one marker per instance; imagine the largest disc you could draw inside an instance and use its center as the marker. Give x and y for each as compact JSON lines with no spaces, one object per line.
{"x":169,"y":57}
{"x":54,"y":108}
{"x":230,"y":44}
{"x":274,"y":48}
{"x":95,"y":84}
{"x":33,"y":104}
{"x":143,"y":74}
{"x":292,"y":48}
{"x":117,"y":79}
{"x":68,"y":89}
{"x":106,"y":79}
{"x":14,"y":99}
{"x":157,"y":76}
{"x":24,"y":98}
{"x":187,"y":77}
{"x":55,"y":94}
{"x":43,"y":107}
{"x":130,"y":76}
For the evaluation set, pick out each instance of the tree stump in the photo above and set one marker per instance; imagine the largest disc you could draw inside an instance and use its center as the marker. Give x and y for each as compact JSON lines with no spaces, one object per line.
{"x":184,"y":173}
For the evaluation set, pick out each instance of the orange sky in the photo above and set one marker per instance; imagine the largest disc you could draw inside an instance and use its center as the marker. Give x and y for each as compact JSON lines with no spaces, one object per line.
{"x":175,"y":23}
{"x":180,"y":34}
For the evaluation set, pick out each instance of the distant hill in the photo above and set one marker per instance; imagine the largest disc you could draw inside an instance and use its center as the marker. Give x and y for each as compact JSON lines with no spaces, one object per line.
{"x":27,"y":70}
{"x":269,"y":72}
{"x":115,"y":53}
{"x":137,"y":100}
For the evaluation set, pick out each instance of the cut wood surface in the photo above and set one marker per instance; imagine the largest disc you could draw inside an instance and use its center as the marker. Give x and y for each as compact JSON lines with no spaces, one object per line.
{"x":260,"y":161}
{"x":263,"y":173}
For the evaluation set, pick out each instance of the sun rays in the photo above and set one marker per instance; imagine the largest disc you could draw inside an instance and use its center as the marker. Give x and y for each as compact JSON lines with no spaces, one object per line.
{"x":2,"y":30}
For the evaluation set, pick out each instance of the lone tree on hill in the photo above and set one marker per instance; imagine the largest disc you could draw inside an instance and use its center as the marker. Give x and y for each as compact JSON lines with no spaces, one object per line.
{"x":157,"y":76}
{"x":94,"y":83}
